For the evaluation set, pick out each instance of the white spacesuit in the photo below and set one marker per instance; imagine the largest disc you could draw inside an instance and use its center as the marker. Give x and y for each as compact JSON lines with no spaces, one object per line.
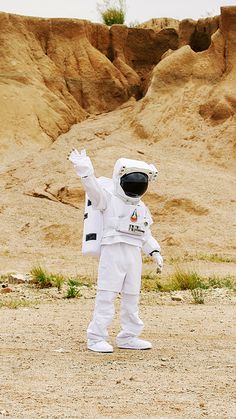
{"x":125,"y":232}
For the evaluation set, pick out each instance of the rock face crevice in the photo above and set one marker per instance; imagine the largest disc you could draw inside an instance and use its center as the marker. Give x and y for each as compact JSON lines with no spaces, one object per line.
{"x":198,"y":34}
{"x":200,"y":41}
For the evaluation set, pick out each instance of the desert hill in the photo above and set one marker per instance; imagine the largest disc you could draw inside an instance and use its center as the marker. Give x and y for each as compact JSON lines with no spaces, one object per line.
{"x":167,"y":96}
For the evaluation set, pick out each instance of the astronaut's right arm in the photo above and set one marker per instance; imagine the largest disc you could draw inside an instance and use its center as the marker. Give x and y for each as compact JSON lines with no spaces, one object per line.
{"x":84,"y":168}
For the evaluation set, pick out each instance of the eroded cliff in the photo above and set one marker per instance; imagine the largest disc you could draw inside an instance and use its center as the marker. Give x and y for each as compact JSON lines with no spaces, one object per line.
{"x":55,"y":72}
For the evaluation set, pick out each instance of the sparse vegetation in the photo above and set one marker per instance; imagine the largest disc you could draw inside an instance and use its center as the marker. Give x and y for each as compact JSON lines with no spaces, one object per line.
{"x":184,"y":280}
{"x":153,"y":282}
{"x":112,"y":12}
{"x":41,"y":277}
{"x":17,"y":303}
{"x":218,"y":282}
{"x":178,"y":259}
{"x":57,"y":280}
{"x":72,"y":290}
{"x":81,"y":281}
{"x":215,"y":257}
{"x":197,"y":295}
{"x":179,"y":280}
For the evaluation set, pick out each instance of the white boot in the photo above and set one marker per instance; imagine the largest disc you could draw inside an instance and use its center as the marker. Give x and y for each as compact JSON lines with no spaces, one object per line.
{"x":132,"y":325}
{"x":97,"y":332}
{"x":101,"y":346}
{"x":135,"y":343}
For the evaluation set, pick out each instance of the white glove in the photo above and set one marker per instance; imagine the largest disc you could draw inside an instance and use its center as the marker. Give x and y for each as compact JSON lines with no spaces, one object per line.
{"x":159,"y":260}
{"x":82,"y":163}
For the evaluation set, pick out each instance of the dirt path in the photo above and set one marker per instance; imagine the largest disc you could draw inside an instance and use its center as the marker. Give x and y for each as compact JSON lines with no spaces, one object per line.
{"x":46,"y":371}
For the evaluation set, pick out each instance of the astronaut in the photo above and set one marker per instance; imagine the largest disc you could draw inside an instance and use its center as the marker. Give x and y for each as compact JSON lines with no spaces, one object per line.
{"x":124,"y":234}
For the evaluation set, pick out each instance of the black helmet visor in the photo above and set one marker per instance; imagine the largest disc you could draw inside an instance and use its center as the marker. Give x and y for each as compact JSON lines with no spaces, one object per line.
{"x":134,"y":184}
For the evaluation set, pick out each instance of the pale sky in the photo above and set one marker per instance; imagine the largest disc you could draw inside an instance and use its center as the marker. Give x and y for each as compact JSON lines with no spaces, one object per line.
{"x":136,"y":10}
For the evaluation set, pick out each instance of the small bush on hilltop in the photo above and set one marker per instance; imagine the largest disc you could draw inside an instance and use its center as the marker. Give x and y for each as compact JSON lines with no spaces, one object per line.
{"x":112,"y":12}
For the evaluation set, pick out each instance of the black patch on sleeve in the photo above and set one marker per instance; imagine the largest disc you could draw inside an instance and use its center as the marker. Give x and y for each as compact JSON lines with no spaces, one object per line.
{"x":91,"y":236}
{"x":89,"y":203}
{"x":85,"y":216}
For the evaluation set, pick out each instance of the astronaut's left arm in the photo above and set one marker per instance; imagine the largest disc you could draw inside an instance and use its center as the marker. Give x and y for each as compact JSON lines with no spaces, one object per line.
{"x":152,"y":248}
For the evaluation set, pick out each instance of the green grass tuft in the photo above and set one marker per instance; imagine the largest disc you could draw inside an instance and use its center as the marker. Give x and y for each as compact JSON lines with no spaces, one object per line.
{"x":57,"y":280}
{"x":72,"y":290}
{"x":182,"y":280}
{"x":41,"y":277}
{"x":186,"y":280}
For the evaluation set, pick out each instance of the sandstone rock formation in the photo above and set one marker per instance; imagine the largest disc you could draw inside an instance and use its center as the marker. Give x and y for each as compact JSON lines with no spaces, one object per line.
{"x":197,"y":34}
{"x":55,"y":72}
{"x":160,"y":23}
{"x":221,"y":104}
{"x":193,"y":92}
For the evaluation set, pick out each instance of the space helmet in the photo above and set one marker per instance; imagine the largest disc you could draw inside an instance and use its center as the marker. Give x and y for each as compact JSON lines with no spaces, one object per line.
{"x":131,"y":179}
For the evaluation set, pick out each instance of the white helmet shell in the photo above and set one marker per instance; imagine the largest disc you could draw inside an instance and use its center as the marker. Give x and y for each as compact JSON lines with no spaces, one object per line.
{"x":124,"y":166}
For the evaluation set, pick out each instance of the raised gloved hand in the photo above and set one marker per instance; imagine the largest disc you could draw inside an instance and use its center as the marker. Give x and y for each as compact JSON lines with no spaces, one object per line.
{"x":82,"y":163}
{"x":159,"y":260}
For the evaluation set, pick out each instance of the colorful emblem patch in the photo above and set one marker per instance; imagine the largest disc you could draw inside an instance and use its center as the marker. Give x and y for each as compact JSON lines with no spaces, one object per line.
{"x":134,"y":216}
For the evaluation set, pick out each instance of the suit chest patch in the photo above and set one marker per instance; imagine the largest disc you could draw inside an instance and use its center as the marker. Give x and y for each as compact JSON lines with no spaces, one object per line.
{"x":134,"y":216}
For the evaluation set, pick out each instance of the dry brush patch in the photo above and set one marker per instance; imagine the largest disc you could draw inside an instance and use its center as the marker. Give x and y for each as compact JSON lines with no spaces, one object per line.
{"x":182,"y":280}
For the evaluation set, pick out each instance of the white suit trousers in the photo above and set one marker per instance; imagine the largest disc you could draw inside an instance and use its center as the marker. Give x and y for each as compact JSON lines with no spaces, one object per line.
{"x":131,"y":325}
{"x":120,"y":268}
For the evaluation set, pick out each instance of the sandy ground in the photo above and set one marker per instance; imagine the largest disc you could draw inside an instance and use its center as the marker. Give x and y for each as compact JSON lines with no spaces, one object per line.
{"x":47,"y":372}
